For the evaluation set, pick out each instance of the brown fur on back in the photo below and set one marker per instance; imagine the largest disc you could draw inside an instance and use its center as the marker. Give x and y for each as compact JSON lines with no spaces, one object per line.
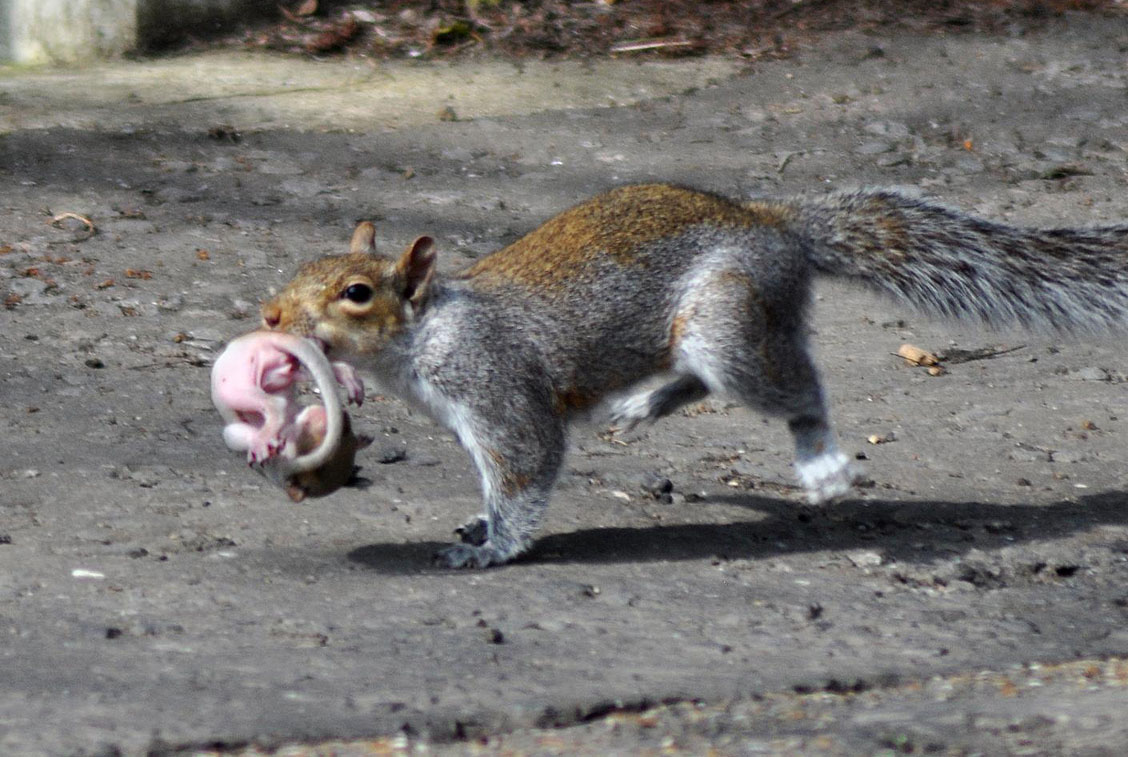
{"x":617,"y":224}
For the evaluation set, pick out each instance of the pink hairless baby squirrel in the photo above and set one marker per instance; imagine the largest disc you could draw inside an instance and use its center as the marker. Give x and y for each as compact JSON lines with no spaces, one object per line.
{"x":307,"y":450}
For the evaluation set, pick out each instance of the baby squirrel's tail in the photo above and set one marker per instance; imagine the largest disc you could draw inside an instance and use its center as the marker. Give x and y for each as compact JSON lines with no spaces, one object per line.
{"x":952,"y":264}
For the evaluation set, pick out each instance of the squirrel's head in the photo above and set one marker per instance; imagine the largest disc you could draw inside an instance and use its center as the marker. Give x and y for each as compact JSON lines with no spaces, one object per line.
{"x":354,"y":304}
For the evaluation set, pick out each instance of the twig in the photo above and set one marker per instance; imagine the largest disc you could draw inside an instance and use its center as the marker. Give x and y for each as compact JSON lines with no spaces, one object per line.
{"x":650,"y":44}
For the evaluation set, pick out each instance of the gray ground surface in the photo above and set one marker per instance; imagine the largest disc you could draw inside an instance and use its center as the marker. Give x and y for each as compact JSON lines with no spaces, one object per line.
{"x":157,"y":596}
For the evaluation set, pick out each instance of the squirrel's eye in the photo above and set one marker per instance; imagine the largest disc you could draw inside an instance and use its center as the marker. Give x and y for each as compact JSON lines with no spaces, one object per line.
{"x":358,"y":293}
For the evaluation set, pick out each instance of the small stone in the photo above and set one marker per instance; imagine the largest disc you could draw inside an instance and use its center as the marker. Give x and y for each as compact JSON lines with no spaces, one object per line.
{"x":1092,"y":373}
{"x":864,"y":558}
{"x":1026,"y":455}
{"x":874,"y":148}
{"x":655,"y":484}
{"x":392,"y":453}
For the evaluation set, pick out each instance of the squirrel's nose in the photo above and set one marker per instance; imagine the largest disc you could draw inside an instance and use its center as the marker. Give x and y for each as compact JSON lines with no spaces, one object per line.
{"x":271,"y":315}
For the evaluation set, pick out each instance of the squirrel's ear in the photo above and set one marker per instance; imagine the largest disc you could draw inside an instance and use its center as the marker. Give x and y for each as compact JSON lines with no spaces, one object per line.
{"x":416,"y":267}
{"x":363,"y":238}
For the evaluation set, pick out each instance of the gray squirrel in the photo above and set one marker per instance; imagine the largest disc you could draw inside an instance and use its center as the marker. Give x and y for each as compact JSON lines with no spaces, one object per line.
{"x":649,"y":280}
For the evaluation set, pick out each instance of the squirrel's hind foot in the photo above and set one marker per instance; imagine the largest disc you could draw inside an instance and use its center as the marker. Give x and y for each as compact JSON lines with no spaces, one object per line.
{"x":827,"y":476}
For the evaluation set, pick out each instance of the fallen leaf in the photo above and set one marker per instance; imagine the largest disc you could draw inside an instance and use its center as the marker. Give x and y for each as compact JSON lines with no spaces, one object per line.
{"x":335,"y":37}
{"x":89,"y":231}
{"x":916,"y":356}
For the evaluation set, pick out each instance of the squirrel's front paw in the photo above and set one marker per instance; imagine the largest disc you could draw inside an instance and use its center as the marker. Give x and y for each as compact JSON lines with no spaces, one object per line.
{"x":467,"y":556}
{"x":482,"y":555}
{"x":628,"y":412}
{"x":474,"y":531}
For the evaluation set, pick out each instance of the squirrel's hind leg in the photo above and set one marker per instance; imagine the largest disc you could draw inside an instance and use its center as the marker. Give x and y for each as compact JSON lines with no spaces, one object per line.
{"x":822,"y":469}
{"x":752,"y":346}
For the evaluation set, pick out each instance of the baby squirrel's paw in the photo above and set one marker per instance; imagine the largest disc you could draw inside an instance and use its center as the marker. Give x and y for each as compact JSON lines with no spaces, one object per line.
{"x":827,"y":476}
{"x":347,"y":377}
{"x":261,"y":451}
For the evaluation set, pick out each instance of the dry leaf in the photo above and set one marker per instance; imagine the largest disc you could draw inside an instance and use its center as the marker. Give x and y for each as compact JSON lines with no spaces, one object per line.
{"x":89,"y":230}
{"x":916,"y":356}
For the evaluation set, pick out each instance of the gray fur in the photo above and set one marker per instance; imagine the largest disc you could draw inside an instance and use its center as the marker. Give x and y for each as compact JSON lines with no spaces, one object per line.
{"x":952,"y":264}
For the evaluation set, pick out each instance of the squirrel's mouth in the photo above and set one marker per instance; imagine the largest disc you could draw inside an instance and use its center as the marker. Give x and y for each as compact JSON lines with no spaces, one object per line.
{"x":323,"y":345}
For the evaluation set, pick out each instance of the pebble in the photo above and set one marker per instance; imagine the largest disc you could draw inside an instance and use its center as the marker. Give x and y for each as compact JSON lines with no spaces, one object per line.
{"x":655,"y":484}
{"x":874,"y":148}
{"x":1022,"y":455}
{"x":393,"y":452}
{"x":1092,"y":373}
{"x":864,"y":558}
{"x":892,"y":129}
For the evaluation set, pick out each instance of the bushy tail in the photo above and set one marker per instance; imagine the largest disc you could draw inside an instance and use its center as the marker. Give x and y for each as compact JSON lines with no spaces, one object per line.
{"x":946,"y":262}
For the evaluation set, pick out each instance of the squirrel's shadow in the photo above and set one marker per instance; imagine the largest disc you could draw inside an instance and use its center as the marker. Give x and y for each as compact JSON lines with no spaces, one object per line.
{"x":897,"y":529}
